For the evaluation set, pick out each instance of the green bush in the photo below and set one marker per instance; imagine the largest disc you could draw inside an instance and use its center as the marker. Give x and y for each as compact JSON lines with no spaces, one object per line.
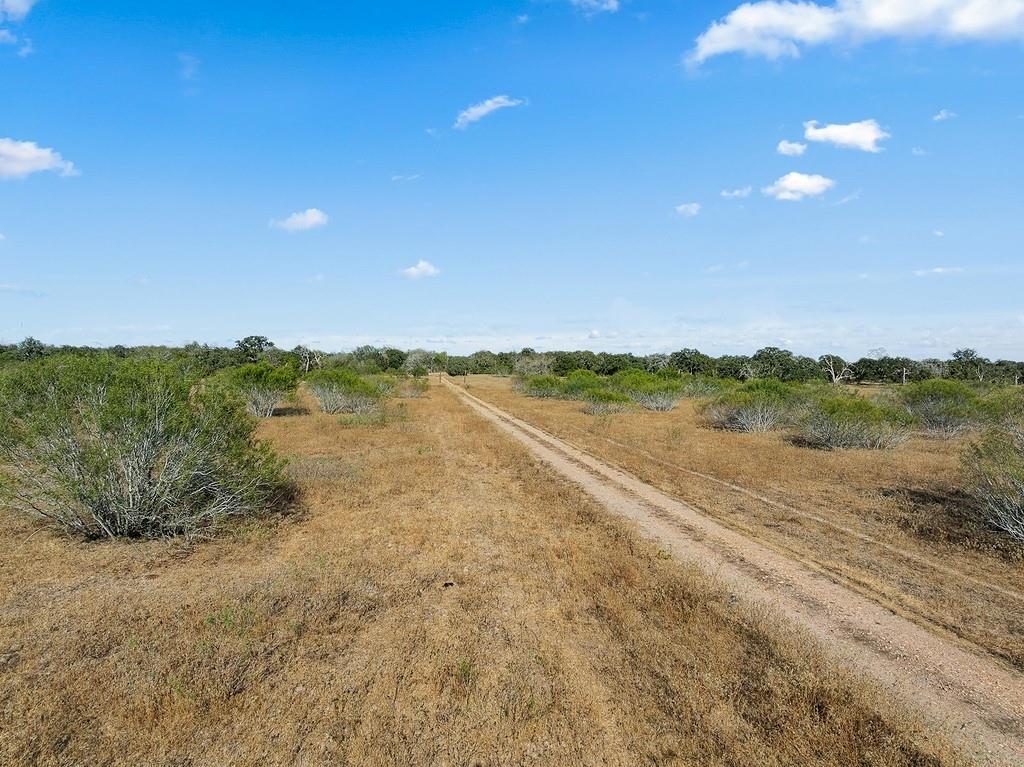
{"x":1003,"y":405}
{"x":945,"y":408}
{"x":995,"y":468}
{"x":262,"y":385}
{"x":650,"y":391}
{"x":604,"y":402}
{"x":848,"y":421}
{"x":763,"y":404}
{"x":343,"y":391}
{"x":579,"y":384}
{"x":108,"y":447}
{"x":542,"y":386}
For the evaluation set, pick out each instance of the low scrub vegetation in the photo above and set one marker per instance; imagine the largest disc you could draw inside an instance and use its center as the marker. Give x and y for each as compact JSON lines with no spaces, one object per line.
{"x":106,"y":447}
{"x":848,"y":421}
{"x":343,"y":391}
{"x":995,"y":466}
{"x":605,"y":402}
{"x":756,"y":406}
{"x":943,"y":408}
{"x":262,"y":385}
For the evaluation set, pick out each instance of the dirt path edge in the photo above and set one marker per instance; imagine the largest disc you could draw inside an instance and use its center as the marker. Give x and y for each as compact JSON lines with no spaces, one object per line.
{"x":975,"y":700}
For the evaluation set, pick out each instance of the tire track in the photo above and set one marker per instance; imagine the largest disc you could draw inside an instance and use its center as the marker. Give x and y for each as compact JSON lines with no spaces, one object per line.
{"x":976,"y":701}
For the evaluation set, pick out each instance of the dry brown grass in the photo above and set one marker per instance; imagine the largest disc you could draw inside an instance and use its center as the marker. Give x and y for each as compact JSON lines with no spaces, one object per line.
{"x":935,"y":560}
{"x":441,"y":600}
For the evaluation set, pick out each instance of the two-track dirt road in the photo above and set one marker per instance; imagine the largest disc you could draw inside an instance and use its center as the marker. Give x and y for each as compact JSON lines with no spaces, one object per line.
{"x":975,"y":700}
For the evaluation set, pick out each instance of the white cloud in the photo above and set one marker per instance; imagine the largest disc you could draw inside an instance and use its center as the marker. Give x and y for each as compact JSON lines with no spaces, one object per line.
{"x":781,"y":28}
{"x":6,"y":38}
{"x":399,"y":179}
{"x":791,"y":148}
{"x":863,"y":135}
{"x":15,"y":10}
{"x":19,"y":159}
{"x":918,"y":151}
{"x":688,"y":209}
{"x":938,"y":271}
{"x":303,"y":221}
{"x":26,"y":49}
{"x":797,"y":186}
{"x":523,"y":18}
{"x":479,"y":111}
{"x":188,"y":66}
{"x":594,"y":334}
{"x":421,"y":269}
{"x":942,"y":115}
{"x":734,"y":194}
{"x":938,"y":233}
{"x":596,"y":6}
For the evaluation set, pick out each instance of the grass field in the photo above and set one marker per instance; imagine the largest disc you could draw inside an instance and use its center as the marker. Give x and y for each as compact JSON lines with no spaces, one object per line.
{"x":893,"y":523}
{"x":437,"y":597}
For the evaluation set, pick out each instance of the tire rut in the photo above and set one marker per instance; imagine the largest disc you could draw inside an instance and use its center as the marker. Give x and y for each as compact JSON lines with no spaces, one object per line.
{"x":975,"y":700}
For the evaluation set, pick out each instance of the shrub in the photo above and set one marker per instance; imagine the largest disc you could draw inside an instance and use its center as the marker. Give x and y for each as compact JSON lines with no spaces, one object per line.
{"x":760,"y":405}
{"x":580,"y":384}
{"x":995,"y":467}
{"x":343,"y":391}
{"x":605,"y":402}
{"x":703,"y":386}
{"x":839,"y":422}
{"x":262,"y":385}
{"x":648,"y":390}
{"x":413,"y":388}
{"x":1004,"y":405}
{"x":943,"y":407}
{"x":542,"y":386}
{"x":106,"y":447}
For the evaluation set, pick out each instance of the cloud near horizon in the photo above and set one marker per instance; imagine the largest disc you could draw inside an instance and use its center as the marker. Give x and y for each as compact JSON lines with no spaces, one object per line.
{"x":479,"y":111}
{"x":778,"y":29}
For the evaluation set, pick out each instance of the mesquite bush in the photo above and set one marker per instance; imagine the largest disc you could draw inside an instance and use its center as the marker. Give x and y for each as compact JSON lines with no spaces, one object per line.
{"x":944,"y":408}
{"x":843,"y":422}
{"x":106,"y":447}
{"x":759,"y":405}
{"x":343,"y":391}
{"x":995,"y":467}
{"x":263,"y":386}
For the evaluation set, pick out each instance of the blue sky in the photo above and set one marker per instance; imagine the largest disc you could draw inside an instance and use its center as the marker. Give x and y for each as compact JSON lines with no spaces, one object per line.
{"x":187,"y":170}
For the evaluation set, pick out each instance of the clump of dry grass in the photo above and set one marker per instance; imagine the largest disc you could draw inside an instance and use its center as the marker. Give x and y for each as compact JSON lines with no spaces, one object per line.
{"x":453,"y":602}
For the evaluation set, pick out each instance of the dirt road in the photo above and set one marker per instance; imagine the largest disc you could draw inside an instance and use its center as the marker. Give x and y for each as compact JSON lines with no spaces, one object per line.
{"x":975,"y":700}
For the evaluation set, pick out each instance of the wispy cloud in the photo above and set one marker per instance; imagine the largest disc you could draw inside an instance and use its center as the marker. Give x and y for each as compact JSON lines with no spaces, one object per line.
{"x":18,"y":290}
{"x":938,"y":271}
{"x":188,"y":66}
{"x":15,"y":10}
{"x":863,"y":135}
{"x":19,"y":159}
{"x":303,"y":221}
{"x":479,"y":111}
{"x":790,"y":148}
{"x":797,"y":186}
{"x":942,"y":115}
{"x":918,"y":151}
{"x":421,"y":269}
{"x":735,"y":194}
{"x":596,"y":6}
{"x":399,"y":179}
{"x":688,"y":209}
{"x":781,"y":28}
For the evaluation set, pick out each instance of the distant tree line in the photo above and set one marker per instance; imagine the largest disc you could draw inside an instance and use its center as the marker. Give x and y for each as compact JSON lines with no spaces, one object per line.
{"x":769,"y":362}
